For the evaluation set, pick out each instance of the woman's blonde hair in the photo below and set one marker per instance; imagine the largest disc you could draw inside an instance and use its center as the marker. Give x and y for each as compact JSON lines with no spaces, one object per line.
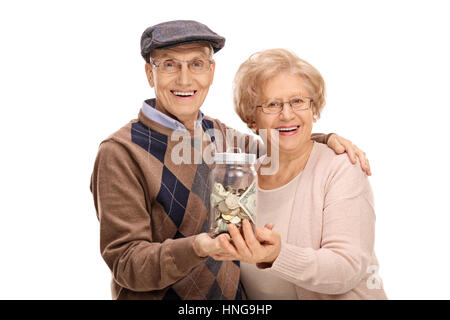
{"x":260,"y":67}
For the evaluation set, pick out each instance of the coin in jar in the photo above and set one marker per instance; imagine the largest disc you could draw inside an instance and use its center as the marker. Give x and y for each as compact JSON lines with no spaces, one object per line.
{"x":232,"y":201}
{"x":235,"y":220}
{"x":223,"y":207}
{"x":227,"y":217}
{"x":235,"y":212}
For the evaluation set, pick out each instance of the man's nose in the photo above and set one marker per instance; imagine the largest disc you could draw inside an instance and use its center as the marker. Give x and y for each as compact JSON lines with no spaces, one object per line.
{"x":184,"y":77}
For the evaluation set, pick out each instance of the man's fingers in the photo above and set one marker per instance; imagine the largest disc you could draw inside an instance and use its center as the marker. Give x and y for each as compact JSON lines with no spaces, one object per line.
{"x":340,"y":148}
{"x":341,"y":145}
{"x":366,"y":167}
{"x":351,"y":151}
{"x":362,"y":158}
{"x":369,"y":171}
{"x":335,"y":143}
{"x":364,"y":161}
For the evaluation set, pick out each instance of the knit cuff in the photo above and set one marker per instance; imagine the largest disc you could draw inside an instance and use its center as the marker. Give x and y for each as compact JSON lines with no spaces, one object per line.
{"x":292,"y":261}
{"x":183,"y":253}
{"x":321,"y":137}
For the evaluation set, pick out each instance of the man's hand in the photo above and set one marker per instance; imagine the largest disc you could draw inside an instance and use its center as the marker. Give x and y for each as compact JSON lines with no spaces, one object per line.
{"x":205,"y":246}
{"x":341,"y":145}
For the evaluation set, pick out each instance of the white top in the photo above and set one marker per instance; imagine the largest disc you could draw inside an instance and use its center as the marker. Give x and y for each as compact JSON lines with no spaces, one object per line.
{"x":272,"y":206}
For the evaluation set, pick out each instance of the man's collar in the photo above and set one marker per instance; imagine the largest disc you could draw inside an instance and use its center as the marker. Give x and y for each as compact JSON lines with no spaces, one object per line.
{"x":149,"y":110}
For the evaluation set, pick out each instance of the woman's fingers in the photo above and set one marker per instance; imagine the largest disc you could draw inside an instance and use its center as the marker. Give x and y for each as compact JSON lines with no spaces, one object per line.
{"x":248,"y":248}
{"x":269,"y":225}
{"x":238,"y":241}
{"x":224,"y":243}
{"x":226,"y":236}
{"x":250,"y":238}
{"x":265,"y":235}
{"x":223,"y":257}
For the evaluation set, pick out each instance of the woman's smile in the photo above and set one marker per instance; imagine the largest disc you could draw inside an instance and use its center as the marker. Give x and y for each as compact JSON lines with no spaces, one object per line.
{"x":288,"y":130}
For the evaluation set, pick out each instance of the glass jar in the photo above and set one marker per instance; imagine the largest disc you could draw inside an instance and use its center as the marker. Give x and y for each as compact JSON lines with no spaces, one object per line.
{"x":233,"y":182}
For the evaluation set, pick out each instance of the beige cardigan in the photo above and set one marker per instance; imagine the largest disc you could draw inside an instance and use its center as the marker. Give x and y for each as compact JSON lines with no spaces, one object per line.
{"x":329,"y":252}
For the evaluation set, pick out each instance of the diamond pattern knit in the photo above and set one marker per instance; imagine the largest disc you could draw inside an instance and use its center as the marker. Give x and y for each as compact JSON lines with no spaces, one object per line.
{"x":172,"y":206}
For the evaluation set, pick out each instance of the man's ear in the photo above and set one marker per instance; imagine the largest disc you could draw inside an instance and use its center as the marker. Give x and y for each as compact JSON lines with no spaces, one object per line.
{"x":149,"y":73}
{"x":213,"y":66}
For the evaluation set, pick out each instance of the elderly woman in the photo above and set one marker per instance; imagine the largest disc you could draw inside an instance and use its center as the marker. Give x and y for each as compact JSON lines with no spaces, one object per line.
{"x":315,"y":222}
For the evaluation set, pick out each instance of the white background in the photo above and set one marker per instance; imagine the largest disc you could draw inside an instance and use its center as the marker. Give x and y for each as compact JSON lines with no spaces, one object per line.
{"x":71,"y":73}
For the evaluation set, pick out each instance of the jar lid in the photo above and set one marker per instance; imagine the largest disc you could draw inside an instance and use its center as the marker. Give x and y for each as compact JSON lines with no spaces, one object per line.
{"x":231,"y":158}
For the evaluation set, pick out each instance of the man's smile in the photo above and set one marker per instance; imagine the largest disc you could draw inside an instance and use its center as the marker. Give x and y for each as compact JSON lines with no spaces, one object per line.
{"x":183,"y":94}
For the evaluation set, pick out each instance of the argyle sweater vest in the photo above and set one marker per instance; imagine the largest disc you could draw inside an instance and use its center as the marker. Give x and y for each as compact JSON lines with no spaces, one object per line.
{"x":150,"y":210}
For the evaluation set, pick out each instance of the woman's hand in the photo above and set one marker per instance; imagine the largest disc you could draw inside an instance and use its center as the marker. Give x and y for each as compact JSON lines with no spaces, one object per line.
{"x":341,"y":145}
{"x":261,"y":248}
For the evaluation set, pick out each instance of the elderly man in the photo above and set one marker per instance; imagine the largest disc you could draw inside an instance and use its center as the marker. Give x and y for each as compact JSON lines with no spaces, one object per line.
{"x":152,"y":211}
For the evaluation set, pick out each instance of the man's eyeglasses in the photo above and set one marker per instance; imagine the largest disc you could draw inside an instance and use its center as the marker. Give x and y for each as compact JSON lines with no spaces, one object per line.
{"x":296,"y":103}
{"x":174,"y":65}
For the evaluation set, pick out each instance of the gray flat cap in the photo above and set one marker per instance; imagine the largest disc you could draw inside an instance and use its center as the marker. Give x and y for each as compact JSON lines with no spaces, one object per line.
{"x":174,"y":33}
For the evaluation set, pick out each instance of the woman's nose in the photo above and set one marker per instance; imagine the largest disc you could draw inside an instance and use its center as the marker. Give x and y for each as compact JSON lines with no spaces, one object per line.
{"x":287,"y":113}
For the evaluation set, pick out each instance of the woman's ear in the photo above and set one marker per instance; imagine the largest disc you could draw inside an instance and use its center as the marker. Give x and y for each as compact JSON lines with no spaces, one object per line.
{"x":252,"y":126}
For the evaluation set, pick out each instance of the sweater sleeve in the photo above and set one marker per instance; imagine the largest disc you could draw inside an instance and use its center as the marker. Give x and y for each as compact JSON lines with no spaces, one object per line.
{"x":347,"y":237}
{"x":320,"y":137}
{"x":136,"y":261}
